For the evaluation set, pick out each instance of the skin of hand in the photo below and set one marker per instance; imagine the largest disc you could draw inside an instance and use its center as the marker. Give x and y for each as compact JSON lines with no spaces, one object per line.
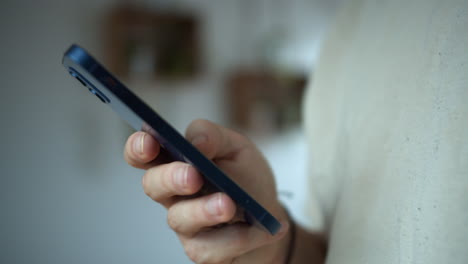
{"x":200,"y":221}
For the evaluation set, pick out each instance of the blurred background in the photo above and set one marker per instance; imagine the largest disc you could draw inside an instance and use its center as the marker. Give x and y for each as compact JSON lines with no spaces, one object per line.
{"x":66,"y":194}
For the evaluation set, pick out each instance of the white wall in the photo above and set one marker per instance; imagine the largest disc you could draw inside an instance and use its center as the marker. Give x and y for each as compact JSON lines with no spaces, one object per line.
{"x":66,"y":195}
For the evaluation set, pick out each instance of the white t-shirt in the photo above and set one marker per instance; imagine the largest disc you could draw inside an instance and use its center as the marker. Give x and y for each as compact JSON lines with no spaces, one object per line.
{"x":387,"y":123}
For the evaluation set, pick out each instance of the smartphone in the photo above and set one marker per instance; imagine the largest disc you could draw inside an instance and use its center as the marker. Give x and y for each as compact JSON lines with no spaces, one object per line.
{"x":91,"y":74}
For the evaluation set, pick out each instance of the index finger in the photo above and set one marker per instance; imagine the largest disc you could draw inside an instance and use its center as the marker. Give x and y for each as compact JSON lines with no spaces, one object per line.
{"x":141,"y":149}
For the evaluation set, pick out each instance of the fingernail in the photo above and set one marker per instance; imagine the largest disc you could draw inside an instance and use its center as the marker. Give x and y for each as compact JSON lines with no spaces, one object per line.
{"x":199,"y":140}
{"x":180,"y":177}
{"x":138,"y":143}
{"x":213,"y":205}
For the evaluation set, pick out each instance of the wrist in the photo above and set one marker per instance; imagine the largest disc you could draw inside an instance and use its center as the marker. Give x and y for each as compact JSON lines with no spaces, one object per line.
{"x":284,"y":245}
{"x":300,"y":245}
{"x":290,"y":239}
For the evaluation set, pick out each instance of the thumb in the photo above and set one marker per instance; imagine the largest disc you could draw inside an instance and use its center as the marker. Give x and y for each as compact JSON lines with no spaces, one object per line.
{"x":214,"y":141}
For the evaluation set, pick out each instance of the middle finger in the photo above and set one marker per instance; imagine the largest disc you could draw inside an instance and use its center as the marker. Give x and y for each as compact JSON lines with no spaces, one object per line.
{"x":173,"y":179}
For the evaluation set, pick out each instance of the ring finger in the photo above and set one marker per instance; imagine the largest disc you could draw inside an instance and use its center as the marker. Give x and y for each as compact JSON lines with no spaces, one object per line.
{"x":188,"y":217}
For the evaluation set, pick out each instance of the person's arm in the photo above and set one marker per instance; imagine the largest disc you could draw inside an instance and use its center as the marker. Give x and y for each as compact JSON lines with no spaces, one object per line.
{"x":307,"y":247}
{"x":206,"y":225}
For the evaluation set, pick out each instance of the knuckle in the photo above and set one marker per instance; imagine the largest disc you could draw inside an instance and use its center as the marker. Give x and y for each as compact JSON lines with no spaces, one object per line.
{"x":193,"y":252}
{"x":173,"y":221}
{"x":200,"y":122}
{"x":145,"y":183}
{"x":238,"y":244}
{"x":196,"y":126}
{"x":201,"y":254}
{"x":239,"y":240}
{"x":239,"y":137}
{"x":148,"y":185}
{"x":144,"y":180}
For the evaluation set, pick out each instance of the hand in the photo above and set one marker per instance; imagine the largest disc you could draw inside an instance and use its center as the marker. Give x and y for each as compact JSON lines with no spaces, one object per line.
{"x":197,"y":219}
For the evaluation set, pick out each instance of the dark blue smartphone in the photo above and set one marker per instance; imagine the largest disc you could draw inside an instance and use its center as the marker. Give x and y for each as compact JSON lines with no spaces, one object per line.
{"x":140,"y":116}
